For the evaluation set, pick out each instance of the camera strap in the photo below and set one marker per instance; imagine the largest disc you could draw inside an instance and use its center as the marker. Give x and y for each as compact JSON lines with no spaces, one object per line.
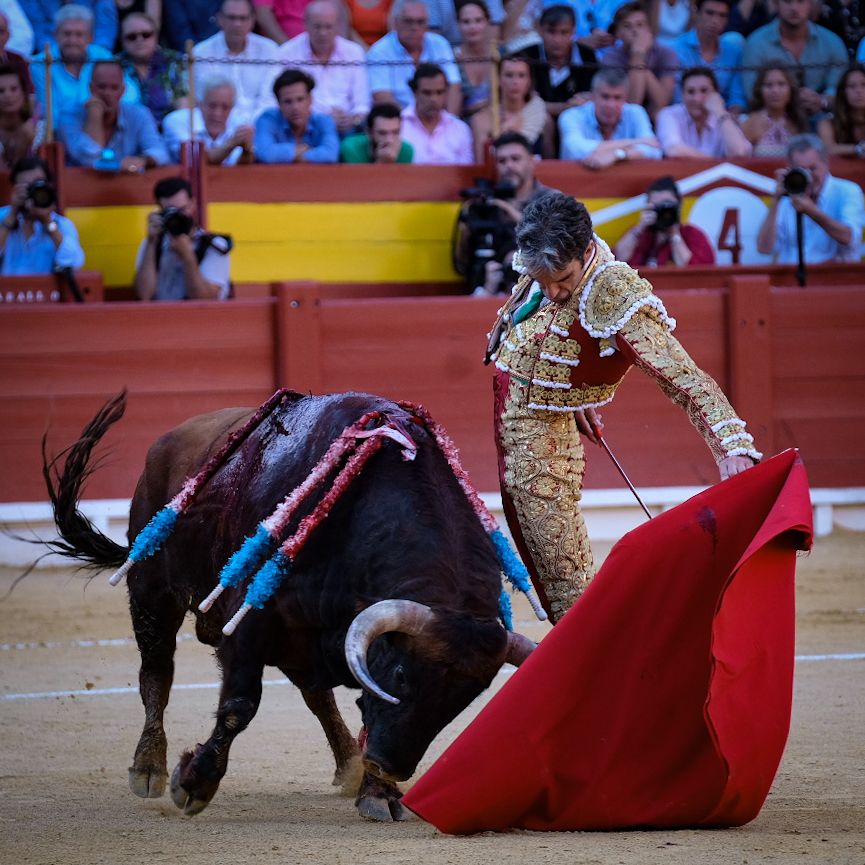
{"x":222,"y":243}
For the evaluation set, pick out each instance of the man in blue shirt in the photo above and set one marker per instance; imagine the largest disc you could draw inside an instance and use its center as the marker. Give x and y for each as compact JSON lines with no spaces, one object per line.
{"x":35,"y":239}
{"x":608,"y":129}
{"x":706,"y":44}
{"x":73,"y":64}
{"x":833,"y":210}
{"x":104,"y":124}
{"x":42,"y":17}
{"x":293,"y":132}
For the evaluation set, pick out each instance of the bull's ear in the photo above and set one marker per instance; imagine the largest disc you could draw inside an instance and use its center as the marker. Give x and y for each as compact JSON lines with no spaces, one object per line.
{"x":362,"y":602}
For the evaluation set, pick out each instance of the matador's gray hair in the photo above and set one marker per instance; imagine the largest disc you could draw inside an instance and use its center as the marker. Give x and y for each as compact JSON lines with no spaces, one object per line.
{"x":554,"y":230}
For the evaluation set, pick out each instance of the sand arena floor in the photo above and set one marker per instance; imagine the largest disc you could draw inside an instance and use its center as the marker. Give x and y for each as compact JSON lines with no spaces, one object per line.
{"x":71,"y":716}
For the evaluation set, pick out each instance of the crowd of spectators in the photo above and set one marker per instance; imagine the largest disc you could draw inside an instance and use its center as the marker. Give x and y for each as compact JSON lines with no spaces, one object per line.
{"x":711,"y":78}
{"x":429,"y":81}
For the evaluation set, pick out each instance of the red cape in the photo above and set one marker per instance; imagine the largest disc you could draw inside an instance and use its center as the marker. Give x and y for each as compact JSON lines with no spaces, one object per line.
{"x":662,"y":699}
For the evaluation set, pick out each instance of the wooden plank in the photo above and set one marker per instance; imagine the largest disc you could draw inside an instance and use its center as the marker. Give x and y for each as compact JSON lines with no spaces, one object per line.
{"x":749,"y":329}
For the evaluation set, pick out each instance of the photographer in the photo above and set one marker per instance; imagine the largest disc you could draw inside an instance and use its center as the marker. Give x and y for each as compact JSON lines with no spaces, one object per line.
{"x":832,"y":209}
{"x":34,"y":238}
{"x":178,"y":260}
{"x":659,"y":238}
{"x":485,"y":241}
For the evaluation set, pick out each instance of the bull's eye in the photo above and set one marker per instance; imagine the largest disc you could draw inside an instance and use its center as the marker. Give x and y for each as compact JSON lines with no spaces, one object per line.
{"x":399,"y":676}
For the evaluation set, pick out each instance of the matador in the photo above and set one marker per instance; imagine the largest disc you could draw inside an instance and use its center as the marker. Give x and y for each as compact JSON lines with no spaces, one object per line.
{"x":574,"y":325}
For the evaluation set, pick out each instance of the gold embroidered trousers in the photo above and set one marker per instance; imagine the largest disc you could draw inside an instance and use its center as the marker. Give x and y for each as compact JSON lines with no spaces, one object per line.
{"x":541,"y":467}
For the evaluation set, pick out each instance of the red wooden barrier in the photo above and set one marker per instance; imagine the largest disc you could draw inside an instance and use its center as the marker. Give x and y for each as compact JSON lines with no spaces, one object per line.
{"x":791,"y":359}
{"x":51,"y":288}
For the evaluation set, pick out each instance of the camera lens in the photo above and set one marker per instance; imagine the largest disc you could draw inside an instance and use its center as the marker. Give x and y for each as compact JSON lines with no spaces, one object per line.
{"x":797,"y":181}
{"x":41,"y":194}
{"x":666,"y":215}
{"x":176,"y":222}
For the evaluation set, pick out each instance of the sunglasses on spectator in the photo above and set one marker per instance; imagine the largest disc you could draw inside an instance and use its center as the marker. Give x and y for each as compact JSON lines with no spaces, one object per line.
{"x":141,"y":34}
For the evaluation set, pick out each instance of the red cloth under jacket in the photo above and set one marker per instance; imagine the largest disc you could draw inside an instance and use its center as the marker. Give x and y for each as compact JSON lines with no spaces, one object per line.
{"x":662,"y":699}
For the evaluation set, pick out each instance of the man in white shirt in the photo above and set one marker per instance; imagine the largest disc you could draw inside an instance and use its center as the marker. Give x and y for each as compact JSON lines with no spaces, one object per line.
{"x":832,"y":209}
{"x":337,"y":66}
{"x":178,"y":260}
{"x":253,"y":74}
{"x":437,"y":136}
{"x":226,"y":142}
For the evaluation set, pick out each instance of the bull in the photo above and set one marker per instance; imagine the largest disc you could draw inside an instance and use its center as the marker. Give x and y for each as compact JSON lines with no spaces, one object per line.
{"x":401,"y":565}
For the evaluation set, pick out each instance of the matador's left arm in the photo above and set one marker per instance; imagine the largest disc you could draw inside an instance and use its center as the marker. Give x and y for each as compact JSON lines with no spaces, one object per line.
{"x":645,"y":339}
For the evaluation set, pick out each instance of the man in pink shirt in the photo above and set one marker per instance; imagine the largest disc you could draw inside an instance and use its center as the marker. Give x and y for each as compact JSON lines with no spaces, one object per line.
{"x":700,"y":127}
{"x":280,"y":20}
{"x":437,"y":136}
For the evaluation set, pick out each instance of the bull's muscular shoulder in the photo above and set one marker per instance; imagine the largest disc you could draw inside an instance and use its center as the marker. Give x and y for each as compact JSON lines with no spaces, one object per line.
{"x":612,"y":295}
{"x":181,"y":451}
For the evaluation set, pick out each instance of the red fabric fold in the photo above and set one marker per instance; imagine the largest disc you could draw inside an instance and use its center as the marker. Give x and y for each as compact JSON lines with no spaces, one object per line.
{"x":663,"y":698}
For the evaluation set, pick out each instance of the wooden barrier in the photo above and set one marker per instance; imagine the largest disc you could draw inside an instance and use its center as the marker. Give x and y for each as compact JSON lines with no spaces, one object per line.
{"x":51,"y":288}
{"x":789,"y":357}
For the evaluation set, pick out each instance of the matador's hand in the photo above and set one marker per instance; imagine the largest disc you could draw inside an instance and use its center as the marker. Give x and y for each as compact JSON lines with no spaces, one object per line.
{"x":589,"y":423}
{"x":730,"y":466}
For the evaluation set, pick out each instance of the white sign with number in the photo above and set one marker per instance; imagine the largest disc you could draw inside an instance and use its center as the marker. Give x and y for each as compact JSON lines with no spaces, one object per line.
{"x":731,"y":218}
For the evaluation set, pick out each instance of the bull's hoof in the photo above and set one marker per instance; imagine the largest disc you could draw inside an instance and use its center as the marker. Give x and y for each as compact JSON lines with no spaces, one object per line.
{"x":147,"y":784}
{"x":371,"y":808}
{"x":189,"y":804}
{"x":398,"y":812}
{"x":379,"y":799}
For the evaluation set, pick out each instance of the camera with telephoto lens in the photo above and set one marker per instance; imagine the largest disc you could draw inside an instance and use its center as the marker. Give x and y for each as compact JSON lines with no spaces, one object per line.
{"x":796,"y":181}
{"x":40,"y":193}
{"x":491,"y":234}
{"x":666,"y":215}
{"x":176,"y":222}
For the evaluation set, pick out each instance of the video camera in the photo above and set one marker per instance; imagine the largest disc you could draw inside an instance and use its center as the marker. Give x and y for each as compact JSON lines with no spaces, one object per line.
{"x":491,"y":234}
{"x":666,"y":215}
{"x":176,"y":222}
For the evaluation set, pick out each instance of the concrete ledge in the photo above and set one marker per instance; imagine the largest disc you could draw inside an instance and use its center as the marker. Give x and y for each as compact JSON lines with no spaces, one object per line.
{"x":609,"y":514}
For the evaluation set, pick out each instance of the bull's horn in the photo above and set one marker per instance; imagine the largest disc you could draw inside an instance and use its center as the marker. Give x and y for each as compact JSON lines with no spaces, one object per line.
{"x":519,"y":648}
{"x":407,"y":617}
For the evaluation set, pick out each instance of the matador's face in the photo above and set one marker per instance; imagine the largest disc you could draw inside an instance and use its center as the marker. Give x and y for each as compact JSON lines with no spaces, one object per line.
{"x":559,"y":285}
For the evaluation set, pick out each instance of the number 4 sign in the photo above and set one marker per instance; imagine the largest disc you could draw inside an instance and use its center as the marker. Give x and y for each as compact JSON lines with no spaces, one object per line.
{"x":731,"y":217}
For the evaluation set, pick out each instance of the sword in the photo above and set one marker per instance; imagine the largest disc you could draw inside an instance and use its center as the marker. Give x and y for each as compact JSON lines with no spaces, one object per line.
{"x":617,"y":464}
{"x":598,"y":431}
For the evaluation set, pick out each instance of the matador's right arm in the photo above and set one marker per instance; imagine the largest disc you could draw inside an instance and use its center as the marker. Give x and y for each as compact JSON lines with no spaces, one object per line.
{"x":646,"y":340}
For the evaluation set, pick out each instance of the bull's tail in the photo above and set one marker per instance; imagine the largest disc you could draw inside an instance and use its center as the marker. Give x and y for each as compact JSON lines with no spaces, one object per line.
{"x":79,"y":538}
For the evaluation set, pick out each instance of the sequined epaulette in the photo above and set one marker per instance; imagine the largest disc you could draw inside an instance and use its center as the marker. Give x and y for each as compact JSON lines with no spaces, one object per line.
{"x":612,"y":296}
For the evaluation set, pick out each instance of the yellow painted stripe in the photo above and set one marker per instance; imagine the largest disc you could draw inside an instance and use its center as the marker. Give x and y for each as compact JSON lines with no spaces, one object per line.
{"x":352,"y":242}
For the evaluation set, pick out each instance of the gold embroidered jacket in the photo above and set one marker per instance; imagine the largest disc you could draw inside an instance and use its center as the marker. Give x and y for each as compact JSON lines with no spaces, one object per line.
{"x":574,"y":355}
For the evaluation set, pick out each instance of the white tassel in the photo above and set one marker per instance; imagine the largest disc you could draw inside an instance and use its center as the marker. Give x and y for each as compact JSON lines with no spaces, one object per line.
{"x":207,"y":603}
{"x":121,"y":572}
{"x":540,"y":612}
{"x":235,"y":620}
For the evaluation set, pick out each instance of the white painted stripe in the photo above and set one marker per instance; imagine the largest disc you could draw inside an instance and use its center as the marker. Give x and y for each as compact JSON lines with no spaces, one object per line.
{"x":841,"y":656}
{"x":80,"y":644}
{"x":213,"y":686}
{"x":110,"y":692}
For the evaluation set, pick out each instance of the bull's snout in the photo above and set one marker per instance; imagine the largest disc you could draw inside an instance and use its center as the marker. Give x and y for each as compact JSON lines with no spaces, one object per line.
{"x":381,"y":768}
